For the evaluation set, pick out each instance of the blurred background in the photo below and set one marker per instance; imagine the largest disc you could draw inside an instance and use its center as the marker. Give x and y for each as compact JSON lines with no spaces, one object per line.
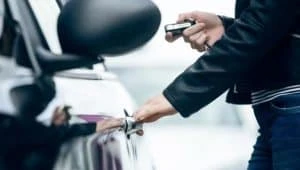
{"x":220,"y":136}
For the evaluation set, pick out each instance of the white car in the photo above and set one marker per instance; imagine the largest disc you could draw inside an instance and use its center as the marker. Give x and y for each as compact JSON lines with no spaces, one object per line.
{"x":93,"y":93}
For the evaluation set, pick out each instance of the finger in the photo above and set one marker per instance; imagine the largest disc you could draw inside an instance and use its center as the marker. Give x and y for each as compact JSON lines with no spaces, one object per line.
{"x":195,"y":37}
{"x":196,"y":15}
{"x":200,"y":42}
{"x":116,"y":122}
{"x":209,"y":42}
{"x":193,"y":40}
{"x":56,"y":111}
{"x":146,"y":117}
{"x":170,"y":38}
{"x":136,"y":114}
{"x":187,"y":15}
{"x":183,"y":16}
{"x":60,"y":120}
{"x":140,"y":132}
{"x":193,"y":29}
{"x":140,"y":115}
{"x":110,"y":123}
{"x":193,"y":45}
{"x":201,"y":49}
{"x":188,"y":33}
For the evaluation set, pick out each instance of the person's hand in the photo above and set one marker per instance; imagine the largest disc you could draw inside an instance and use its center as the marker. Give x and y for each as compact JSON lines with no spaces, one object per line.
{"x":154,"y":109}
{"x":207,"y":30}
{"x":61,"y":115}
{"x":110,"y":123}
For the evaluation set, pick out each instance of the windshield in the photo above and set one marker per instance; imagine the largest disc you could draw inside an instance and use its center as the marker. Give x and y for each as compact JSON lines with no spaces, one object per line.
{"x":46,"y":13}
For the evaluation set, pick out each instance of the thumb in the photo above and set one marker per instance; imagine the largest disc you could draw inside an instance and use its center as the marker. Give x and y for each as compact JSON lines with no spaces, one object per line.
{"x":195,"y":15}
{"x":140,"y":115}
{"x":170,"y":38}
{"x":184,"y":16}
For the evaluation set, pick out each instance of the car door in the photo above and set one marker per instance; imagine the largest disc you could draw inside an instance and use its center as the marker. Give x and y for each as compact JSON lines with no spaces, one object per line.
{"x":99,"y":95}
{"x":93,"y":95}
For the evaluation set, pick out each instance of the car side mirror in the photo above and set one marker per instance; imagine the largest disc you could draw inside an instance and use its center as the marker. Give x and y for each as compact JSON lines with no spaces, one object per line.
{"x":94,"y":27}
{"x":52,"y":63}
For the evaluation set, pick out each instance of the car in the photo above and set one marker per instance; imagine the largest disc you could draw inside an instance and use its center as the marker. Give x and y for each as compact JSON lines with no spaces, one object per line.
{"x":94,"y":93}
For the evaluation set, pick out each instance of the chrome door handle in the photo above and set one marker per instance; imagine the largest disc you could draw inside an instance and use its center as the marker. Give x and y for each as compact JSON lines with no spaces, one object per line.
{"x":130,"y":126}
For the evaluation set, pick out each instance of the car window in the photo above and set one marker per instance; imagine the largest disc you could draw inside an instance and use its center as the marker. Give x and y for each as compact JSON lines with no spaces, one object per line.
{"x":143,"y":83}
{"x":46,"y":13}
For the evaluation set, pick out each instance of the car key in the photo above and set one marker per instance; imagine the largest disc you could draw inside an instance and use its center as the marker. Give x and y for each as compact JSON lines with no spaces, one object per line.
{"x":177,"y":28}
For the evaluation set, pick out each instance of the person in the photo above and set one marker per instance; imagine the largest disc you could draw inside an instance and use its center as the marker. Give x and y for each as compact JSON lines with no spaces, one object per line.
{"x":256,"y":56}
{"x":29,"y":144}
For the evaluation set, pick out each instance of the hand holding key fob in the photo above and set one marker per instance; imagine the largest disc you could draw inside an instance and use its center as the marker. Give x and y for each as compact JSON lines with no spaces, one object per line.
{"x":177,"y":28}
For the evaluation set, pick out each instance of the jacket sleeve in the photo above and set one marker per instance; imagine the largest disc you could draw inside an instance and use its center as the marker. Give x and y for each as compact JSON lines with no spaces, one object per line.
{"x":29,"y":132}
{"x":226,"y":21}
{"x":259,"y":28}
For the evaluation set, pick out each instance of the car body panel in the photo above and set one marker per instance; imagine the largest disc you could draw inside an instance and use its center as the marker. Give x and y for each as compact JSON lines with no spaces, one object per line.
{"x":105,"y":96}
{"x":90,"y":92}
{"x":96,"y":95}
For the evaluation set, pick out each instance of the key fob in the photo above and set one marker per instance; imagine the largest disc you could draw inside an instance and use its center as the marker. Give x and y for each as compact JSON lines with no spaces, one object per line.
{"x":177,"y":28}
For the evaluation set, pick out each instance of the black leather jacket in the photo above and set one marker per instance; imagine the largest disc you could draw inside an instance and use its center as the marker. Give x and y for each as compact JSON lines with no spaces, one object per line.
{"x":259,"y":50}
{"x":29,"y":145}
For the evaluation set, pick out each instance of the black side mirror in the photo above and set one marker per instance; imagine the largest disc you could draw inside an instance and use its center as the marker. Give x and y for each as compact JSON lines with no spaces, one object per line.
{"x":93,"y":27}
{"x":52,"y":63}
